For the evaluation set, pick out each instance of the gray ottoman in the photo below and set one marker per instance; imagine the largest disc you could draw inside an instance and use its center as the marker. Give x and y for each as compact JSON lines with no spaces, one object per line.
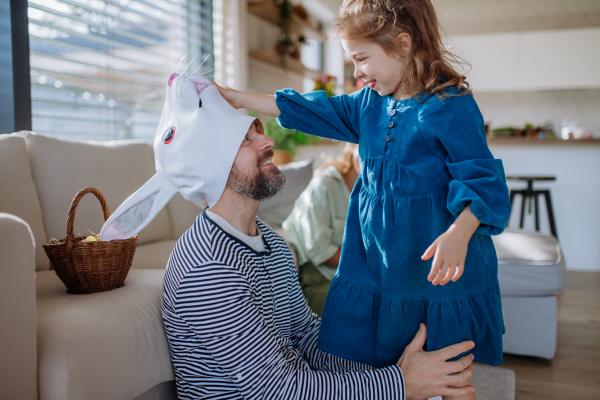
{"x":531,"y":271}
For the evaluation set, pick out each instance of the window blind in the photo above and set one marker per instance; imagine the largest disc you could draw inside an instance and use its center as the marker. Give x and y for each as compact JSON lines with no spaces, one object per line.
{"x":99,"y":67}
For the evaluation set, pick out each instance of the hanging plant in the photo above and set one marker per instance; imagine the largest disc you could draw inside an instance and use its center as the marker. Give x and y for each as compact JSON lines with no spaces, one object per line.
{"x":286,"y":44}
{"x":295,"y":54}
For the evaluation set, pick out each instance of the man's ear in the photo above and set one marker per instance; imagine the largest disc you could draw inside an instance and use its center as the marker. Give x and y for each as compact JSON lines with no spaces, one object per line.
{"x":138,"y":210}
{"x":404,"y":41}
{"x":261,"y":128}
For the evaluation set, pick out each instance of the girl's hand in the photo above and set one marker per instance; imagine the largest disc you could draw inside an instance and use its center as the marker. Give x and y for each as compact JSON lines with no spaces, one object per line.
{"x":261,"y":103}
{"x":449,"y":250}
{"x":231,"y":95}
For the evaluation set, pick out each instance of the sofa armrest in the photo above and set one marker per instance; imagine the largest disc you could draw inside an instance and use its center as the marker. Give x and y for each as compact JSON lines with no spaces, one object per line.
{"x":18,"y":326}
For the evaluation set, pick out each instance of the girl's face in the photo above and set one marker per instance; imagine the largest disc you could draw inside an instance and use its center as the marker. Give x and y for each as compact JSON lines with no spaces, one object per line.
{"x":374,"y":66}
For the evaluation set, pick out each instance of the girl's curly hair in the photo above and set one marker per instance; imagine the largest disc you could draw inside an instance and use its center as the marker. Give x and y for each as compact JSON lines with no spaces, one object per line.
{"x":431,"y":67}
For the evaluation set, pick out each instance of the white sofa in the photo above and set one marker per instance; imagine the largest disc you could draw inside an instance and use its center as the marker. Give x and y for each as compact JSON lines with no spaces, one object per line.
{"x":107,"y":345}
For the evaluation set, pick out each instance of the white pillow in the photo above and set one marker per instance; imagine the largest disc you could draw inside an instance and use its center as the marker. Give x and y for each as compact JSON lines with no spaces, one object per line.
{"x":276,"y":209}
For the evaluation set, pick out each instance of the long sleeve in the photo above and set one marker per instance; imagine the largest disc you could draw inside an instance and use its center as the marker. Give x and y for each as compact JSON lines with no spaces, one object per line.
{"x":216,"y":303}
{"x":455,"y":131}
{"x":335,"y":117}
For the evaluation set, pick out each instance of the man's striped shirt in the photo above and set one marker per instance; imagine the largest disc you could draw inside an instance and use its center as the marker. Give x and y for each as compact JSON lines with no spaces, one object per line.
{"x":238,"y":326}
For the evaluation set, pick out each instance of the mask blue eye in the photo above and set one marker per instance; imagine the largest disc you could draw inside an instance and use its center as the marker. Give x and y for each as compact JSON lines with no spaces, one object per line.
{"x":169,"y":135}
{"x":200,"y":105}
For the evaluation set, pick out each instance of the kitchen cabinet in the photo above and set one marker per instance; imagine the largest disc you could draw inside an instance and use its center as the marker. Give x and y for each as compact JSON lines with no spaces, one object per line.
{"x":529,"y":61}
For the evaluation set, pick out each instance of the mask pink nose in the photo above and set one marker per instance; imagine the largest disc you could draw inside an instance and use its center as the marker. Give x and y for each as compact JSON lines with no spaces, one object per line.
{"x":200,"y":86}
{"x":172,"y":78}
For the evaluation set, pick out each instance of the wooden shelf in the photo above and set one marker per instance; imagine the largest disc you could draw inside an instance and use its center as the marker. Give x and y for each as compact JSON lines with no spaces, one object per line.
{"x":268,"y":11}
{"x":542,"y":142}
{"x":271,"y":57}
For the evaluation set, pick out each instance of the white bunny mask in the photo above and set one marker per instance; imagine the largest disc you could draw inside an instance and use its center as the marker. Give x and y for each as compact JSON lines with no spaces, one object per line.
{"x":197,"y":140}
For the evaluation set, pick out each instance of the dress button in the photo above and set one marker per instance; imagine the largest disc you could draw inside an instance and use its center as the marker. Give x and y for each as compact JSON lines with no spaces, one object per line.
{"x":388,"y":139}
{"x":391,"y":124}
{"x":393,"y":112}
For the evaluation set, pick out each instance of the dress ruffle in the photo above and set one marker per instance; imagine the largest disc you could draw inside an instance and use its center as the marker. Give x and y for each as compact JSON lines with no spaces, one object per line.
{"x":385,"y":325}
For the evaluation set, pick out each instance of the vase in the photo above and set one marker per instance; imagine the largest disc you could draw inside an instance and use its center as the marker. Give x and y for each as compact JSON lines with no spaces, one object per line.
{"x":281,"y":157}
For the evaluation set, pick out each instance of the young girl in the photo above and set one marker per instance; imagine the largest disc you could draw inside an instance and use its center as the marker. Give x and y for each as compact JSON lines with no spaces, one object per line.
{"x":429,"y":188}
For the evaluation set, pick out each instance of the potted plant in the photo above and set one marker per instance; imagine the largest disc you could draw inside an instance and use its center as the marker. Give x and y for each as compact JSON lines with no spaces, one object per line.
{"x":327,"y":83}
{"x":287,"y":141}
{"x":285,"y":43}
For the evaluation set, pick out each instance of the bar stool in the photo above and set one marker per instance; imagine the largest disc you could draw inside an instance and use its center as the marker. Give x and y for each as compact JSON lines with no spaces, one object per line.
{"x":530,"y":195}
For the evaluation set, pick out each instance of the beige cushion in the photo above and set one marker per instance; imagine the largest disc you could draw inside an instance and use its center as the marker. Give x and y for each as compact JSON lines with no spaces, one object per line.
{"x":183,"y":213}
{"x":153,"y":255}
{"x":18,"y":195}
{"x":108,"y":345}
{"x":275,"y":210}
{"x":61,"y":168}
{"x":18,"y":364}
{"x":529,"y":263}
{"x":163,"y":391}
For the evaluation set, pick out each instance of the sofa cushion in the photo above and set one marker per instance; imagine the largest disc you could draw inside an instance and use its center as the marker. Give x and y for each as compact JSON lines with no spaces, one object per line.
{"x":153,"y":255}
{"x":108,"y":345}
{"x":61,"y":168}
{"x":18,"y":195}
{"x":183,"y":213}
{"x":275,"y":210}
{"x":529,"y":263}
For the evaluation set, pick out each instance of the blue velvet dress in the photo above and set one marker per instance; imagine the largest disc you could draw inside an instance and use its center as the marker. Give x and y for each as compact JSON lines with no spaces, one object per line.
{"x":422,"y":163}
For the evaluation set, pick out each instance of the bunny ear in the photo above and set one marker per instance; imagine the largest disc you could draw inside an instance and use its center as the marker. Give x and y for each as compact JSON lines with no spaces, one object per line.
{"x":139,"y":209}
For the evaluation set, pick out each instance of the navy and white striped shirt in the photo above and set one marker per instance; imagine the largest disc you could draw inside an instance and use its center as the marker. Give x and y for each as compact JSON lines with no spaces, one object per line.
{"x":238,"y":326}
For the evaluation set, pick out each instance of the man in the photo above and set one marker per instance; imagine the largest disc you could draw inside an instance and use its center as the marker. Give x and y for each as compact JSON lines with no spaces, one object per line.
{"x":238,"y":326}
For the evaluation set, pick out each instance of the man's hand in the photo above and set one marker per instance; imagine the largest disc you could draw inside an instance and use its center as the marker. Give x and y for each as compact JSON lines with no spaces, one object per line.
{"x":449,"y":250}
{"x":428,"y":374}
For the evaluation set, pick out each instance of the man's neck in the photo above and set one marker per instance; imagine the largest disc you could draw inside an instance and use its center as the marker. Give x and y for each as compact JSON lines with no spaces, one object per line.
{"x":239,"y":210}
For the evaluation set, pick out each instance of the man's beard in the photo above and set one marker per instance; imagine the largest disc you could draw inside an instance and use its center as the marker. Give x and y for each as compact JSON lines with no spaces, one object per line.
{"x":259,"y":187}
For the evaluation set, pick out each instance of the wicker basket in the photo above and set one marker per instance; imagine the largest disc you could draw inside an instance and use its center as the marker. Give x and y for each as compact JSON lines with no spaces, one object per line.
{"x":90,"y":267}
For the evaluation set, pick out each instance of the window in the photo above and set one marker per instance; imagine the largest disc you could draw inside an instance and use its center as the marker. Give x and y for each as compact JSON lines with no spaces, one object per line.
{"x":99,"y":67}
